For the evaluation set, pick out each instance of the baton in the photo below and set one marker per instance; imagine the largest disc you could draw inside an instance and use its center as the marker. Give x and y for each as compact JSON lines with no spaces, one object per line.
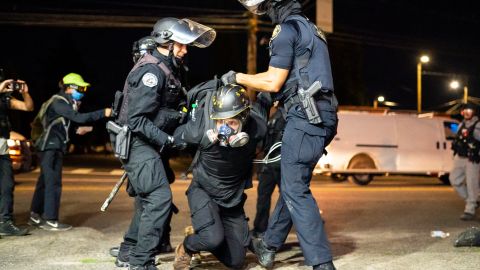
{"x":113,"y":192}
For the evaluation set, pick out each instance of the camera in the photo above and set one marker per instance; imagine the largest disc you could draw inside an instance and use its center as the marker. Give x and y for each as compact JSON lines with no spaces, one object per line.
{"x":16,"y":86}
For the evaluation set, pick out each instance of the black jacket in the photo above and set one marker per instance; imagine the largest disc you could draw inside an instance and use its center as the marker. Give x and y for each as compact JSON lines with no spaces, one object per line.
{"x":58,"y":136}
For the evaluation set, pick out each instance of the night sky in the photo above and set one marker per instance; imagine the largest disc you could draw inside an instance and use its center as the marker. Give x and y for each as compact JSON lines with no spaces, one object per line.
{"x":374,"y":48}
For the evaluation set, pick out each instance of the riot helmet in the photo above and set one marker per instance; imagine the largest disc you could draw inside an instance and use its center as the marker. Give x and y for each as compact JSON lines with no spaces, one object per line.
{"x":468,"y":110}
{"x":230,"y":112}
{"x":144,"y":45}
{"x":230,"y":101}
{"x":183,"y":31}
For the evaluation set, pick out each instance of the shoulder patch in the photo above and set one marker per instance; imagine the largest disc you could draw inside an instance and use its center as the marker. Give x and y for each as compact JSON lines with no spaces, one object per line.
{"x":150,"y":80}
{"x":276,"y":31}
{"x":321,"y":34}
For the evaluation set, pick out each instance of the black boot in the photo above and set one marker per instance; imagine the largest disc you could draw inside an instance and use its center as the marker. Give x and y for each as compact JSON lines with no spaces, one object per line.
{"x":325,"y":266}
{"x":265,"y":256}
{"x":114,"y":251}
{"x":123,"y":257}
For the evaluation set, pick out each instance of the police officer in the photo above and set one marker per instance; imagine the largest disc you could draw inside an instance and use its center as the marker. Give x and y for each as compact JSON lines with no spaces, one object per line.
{"x":222,"y":170}
{"x":167,"y":119}
{"x":150,"y":86}
{"x":269,"y":174}
{"x":59,"y":111}
{"x":7,"y":102}
{"x":464,"y":176}
{"x":299,"y":57}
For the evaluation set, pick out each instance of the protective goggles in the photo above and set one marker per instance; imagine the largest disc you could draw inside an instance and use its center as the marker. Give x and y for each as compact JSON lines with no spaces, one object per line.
{"x":81,"y":89}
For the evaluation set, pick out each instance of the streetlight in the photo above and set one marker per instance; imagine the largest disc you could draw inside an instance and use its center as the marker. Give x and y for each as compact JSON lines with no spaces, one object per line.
{"x":380,"y":99}
{"x":423,"y":60}
{"x":455,"y":85}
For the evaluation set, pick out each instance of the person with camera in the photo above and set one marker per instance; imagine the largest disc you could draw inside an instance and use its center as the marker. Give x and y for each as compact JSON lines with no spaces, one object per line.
{"x":227,"y":130}
{"x":54,"y":120}
{"x":151,"y":86}
{"x":464,"y":176}
{"x":7,"y":102}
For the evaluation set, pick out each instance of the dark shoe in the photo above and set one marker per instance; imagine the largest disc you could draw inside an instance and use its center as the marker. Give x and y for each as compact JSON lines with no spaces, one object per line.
{"x":467,"y":216}
{"x":114,"y":251}
{"x":182,"y":258}
{"x":53,"y":225}
{"x":265,"y":256}
{"x":120,"y":263}
{"x":325,"y":266}
{"x":143,"y":267}
{"x":165,"y":248}
{"x":7,"y":228}
{"x":35,"y":220}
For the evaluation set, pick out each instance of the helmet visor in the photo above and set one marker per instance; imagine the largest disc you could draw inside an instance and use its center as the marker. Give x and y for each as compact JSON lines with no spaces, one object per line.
{"x":254,"y":6}
{"x":192,"y":33}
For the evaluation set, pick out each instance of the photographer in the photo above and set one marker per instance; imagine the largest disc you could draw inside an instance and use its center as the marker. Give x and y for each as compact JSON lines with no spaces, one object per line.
{"x":7,"y":102}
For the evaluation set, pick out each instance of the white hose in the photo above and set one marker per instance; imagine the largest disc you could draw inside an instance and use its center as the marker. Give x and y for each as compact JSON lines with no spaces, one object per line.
{"x":267,"y":159}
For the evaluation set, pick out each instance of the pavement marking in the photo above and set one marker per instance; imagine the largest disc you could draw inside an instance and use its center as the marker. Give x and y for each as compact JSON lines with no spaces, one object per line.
{"x":116,"y":172}
{"x":81,"y":171}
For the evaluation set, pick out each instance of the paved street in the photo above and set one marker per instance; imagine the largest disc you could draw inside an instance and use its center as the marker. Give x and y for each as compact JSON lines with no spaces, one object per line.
{"x":385,"y":225}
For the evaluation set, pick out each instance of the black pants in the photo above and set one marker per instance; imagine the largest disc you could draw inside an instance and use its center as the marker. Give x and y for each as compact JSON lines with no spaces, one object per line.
{"x":6,"y":188}
{"x":48,"y":191}
{"x":268,"y":177}
{"x":131,"y":236}
{"x":147,"y":176}
{"x":221,"y":231}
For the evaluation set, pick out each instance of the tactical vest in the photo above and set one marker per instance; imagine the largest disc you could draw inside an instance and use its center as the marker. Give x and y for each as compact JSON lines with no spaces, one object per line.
{"x":5,"y":126}
{"x":169,"y":96}
{"x":305,"y":71}
{"x":465,"y":144}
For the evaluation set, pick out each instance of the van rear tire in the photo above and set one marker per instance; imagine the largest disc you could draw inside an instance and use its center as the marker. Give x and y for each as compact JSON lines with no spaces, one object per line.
{"x":361,"y":161}
{"x":445,"y":179}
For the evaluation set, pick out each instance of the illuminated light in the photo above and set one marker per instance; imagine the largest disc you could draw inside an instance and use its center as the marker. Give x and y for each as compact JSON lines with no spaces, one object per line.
{"x":424,"y":59}
{"x":10,"y":143}
{"x":14,"y":152}
{"x":454,"y":84}
{"x":381,"y":99}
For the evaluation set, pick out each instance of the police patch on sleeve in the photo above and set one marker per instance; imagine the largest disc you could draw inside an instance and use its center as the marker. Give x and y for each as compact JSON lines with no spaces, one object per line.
{"x":150,"y":80}
{"x":276,"y":31}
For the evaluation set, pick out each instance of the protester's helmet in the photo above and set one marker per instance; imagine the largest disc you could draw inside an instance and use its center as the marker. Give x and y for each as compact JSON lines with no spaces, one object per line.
{"x":183,"y":31}
{"x":230,"y":101}
{"x":75,"y":81}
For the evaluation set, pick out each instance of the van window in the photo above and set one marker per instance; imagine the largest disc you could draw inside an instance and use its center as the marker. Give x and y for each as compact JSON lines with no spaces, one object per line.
{"x":451,"y":129}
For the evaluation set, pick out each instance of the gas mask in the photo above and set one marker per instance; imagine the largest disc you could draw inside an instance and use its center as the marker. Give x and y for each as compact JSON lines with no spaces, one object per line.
{"x":227,"y":136}
{"x":76,"y":95}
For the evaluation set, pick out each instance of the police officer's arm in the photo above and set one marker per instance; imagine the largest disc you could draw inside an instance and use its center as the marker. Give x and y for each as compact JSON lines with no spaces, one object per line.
{"x":281,"y":61}
{"x":26,"y":104}
{"x":62,"y":108}
{"x":143,"y":102}
{"x":192,"y":132}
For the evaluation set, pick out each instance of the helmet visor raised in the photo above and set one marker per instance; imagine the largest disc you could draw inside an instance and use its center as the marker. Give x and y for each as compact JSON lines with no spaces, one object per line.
{"x":192,"y":33}
{"x":254,"y":6}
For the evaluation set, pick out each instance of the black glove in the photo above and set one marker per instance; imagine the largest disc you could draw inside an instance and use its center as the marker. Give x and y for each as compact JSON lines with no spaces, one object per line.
{"x":176,"y":142}
{"x":229,"y":78}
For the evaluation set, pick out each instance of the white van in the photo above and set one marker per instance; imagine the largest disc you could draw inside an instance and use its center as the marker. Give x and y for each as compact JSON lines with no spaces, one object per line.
{"x":372,"y":143}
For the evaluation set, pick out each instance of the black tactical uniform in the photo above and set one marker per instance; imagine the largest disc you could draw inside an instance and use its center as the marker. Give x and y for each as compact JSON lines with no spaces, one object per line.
{"x":216,"y":194}
{"x":48,"y":190}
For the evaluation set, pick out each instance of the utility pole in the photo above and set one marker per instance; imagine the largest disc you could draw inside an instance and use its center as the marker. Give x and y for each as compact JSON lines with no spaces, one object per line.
{"x":252,"y":49}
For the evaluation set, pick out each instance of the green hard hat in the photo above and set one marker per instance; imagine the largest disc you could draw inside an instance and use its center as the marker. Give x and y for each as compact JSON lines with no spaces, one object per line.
{"x":74,"y":78}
